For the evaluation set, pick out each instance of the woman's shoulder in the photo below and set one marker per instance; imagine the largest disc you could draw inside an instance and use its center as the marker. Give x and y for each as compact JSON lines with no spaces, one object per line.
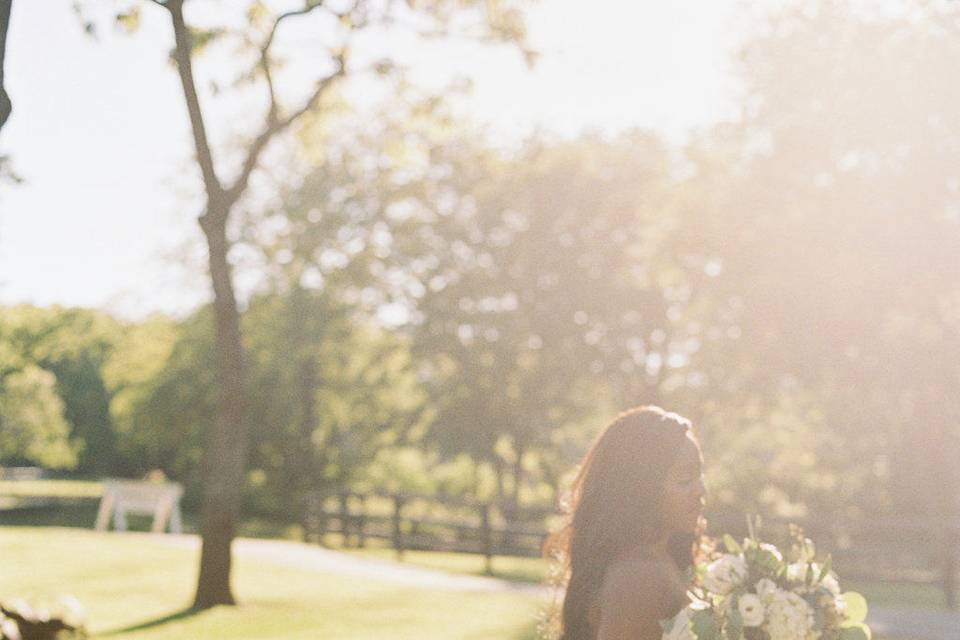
{"x":640,"y":570}
{"x":641,"y":581}
{"x":637,"y":593}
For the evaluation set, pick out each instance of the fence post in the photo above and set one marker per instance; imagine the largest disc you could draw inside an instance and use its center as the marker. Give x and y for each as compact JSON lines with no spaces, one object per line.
{"x":362,"y":522}
{"x":486,"y":537}
{"x":397,"y":526}
{"x":948,"y":564}
{"x":345,"y":520}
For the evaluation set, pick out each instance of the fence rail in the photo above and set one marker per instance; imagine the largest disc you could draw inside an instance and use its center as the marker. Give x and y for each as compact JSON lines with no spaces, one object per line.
{"x":428,"y":523}
{"x":916,"y":549}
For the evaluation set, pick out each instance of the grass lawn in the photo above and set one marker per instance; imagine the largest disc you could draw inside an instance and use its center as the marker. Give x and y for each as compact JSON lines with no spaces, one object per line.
{"x":138,"y":588}
{"x":880,"y":594}
{"x":532,"y":570}
{"x":51,"y":488}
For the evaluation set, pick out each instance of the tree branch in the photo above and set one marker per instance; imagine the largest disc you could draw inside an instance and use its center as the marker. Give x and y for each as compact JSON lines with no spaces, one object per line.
{"x":264,"y":63}
{"x":275,"y":127}
{"x":6,"y":107}
{"x":182,"y":54}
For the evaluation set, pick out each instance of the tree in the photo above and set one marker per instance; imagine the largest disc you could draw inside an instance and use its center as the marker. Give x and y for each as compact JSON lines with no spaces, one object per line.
{"x":822,"y":255}
{"x":540,"y":310}
{"x":227,"y":442}
{"x":73,"y":345}
{"x":32,"y":427}
{"x":331,"y":390}
{"x":5,"y":105}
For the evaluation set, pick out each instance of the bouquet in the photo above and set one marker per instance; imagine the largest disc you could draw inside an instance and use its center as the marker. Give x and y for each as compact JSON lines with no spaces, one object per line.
{"x":752,"y":592}
{"x":65,"y":620}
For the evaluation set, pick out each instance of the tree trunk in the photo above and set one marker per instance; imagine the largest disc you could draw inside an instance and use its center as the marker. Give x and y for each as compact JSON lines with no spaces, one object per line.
{"x":500,"y":473}
{"x":5,"y":105}
{"x":226,"y":445}
{"x":308,"y":422}
{"x":517,"y":475}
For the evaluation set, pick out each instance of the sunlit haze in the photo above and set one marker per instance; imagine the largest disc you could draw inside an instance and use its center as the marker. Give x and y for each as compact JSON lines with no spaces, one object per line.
{"x":99,"y":131}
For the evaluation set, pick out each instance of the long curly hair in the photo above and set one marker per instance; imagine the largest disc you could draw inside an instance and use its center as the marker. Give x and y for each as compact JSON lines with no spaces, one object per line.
{"x":614,"y":504}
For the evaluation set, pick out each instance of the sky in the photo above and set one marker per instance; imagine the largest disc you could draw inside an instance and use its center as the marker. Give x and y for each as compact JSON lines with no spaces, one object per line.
{"x":99,"y":133}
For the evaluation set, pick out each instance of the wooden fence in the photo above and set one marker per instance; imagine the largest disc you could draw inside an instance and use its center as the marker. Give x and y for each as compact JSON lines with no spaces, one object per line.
{"x":915,"y":550}
{"x":429,"y":523}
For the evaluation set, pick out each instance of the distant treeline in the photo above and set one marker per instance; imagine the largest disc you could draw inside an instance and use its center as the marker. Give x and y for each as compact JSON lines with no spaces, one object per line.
{"x":433,"y":314}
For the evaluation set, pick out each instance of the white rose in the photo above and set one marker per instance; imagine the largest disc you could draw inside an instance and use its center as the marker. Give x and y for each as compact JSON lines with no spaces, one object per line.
{"x":789,"y":617}
{"x":797,"y":571}
{"x":766,"y":589}
{"x":725,"y":574}
{"x":751,"y":610}
{"x":679,"y":627}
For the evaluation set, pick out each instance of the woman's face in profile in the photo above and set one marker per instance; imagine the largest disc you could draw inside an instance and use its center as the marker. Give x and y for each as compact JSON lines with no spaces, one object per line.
{"x":683,"y":490}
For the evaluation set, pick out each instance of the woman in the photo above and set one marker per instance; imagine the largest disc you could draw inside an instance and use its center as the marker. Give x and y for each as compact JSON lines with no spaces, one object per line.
{"x":635,"y":522}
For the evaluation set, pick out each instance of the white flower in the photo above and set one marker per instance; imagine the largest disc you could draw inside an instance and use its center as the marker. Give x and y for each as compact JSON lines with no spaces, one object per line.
{"x":680,"y":626}
{"x":725,"y":574}
{"x":751,"y":610}
{"x":9,"y":628}
{"x":71,"y":611}
{"x":772,"y":549}
{"x":789,"y":617}
{"x":830,"y":582}
{"x":766,"y":589}
{"x":797,"y":571}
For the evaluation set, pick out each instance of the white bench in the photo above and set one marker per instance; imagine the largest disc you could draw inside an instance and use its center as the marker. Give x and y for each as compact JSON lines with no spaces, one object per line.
{"x":121,"y":497}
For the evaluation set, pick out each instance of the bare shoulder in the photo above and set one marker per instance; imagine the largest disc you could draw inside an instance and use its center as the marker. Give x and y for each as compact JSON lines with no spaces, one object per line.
{"x":634,"y":598}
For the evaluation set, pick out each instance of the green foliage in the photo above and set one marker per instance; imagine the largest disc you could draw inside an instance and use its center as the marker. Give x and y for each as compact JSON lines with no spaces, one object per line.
{"x":822,"y":258}
{"x":855,"y":608}
{"x":855,"y":632}
{"x":148,"y":581}
{"x":129,"y":20}
{"x":161,"y":394}
{"x":732,"y":545}
{"x":330,"y":391}
{"x":704,"y":625}
{"x":32,"y":427}
{"x":73,"y":345}
{"x":733,"y":630}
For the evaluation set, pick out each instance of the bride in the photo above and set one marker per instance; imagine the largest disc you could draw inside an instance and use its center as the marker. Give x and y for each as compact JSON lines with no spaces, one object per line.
{"x":635,"y":522}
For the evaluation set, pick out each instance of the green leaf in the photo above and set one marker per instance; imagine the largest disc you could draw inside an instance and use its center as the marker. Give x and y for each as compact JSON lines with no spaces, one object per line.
{"x":704,"y":626}
{"x":825,"y":569}
{"x":808,"y":550}
{"x":855,"y":611}
{"x":731,"y":544}
{"x":257,"y":13}
{"x":734,"y":627}
{"x":856,"y":632}
{"x":129,"y":21}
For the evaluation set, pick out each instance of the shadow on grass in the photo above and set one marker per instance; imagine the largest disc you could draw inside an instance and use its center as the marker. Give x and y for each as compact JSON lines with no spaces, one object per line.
{"x":149,"y":624}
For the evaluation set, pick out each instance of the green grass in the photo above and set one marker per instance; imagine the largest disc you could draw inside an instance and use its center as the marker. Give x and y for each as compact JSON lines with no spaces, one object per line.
{"x":535,"y":570}
{"x":531,"y":570}
{"x":898,"y":595}
{"x":136,"y":587}
{"x":51,"y":488}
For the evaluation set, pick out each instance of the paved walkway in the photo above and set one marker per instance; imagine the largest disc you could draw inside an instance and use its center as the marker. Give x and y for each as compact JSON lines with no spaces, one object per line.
{"x":908,"y":624}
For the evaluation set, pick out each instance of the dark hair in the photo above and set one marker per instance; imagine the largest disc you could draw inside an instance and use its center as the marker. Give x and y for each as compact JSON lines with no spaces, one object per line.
{"x":615,"y":504}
